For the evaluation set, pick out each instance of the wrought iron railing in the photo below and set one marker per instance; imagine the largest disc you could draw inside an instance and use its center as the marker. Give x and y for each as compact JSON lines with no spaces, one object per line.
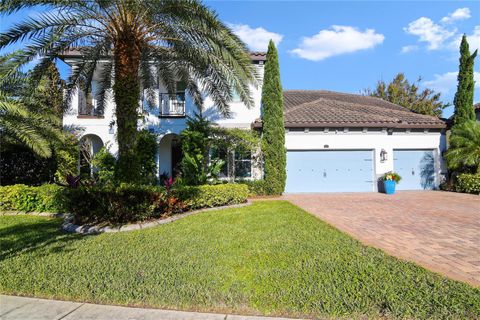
{"x":172,"y":104}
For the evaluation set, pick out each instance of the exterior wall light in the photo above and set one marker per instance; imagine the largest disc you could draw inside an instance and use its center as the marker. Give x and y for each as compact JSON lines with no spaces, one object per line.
{"x":383,"y":155}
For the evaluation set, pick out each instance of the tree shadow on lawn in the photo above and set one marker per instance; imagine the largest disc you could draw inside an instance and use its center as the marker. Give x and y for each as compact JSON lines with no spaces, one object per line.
{"x":25,"y":237}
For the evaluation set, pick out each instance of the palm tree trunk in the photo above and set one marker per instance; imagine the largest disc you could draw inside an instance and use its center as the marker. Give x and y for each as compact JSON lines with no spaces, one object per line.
{"x":126,"y":90}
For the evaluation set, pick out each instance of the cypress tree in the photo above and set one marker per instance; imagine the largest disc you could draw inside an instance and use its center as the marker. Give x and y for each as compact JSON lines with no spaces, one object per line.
{"x":273,"y":135}
{"x":463,"y":101}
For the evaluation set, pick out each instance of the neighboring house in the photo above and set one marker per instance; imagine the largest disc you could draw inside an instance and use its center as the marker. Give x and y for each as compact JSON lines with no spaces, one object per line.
{"x":477,"y":111}
{"x":336,"y":142}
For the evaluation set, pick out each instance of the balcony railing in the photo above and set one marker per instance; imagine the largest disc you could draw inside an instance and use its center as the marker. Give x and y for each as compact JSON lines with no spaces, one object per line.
{"x":89,"y":111}
{"x":87,"y":107}
{"x":172,"y":104}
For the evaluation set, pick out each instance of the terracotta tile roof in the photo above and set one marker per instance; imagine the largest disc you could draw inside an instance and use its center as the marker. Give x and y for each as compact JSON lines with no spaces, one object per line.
{"x":304,"y":108}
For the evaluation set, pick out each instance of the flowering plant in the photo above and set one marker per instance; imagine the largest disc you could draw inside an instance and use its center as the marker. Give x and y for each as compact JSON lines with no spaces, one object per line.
{"x":392,"y":176}
{"x":170,"y":204}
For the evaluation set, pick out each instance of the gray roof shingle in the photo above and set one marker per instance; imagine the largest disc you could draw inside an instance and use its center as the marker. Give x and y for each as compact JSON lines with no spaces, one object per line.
{"x":326,"y":108}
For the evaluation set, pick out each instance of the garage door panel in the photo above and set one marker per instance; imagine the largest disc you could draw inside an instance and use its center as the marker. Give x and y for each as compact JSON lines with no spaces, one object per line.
{"x":329,"y":171}
{"x":416,"y":167}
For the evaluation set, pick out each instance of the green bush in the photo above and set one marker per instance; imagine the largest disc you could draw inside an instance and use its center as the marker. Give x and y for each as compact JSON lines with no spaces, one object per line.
{"x":104,"y":163}
{"x":207,"y":196}
{"x":121,"y":204}
{"x":67,"y":157}
{"x":129,"y":203}
{"x":256,"y":187}
{"x":147,"y":146}
{"x":197,"y":166}
{"x":469,"y":183}
{"x":45,"y":198}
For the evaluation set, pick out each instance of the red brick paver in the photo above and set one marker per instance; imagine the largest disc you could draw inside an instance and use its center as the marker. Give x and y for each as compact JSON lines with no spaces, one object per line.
{"x":437,"y":230}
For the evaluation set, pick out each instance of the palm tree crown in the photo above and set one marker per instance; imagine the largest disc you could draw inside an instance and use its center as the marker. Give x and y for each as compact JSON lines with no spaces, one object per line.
{"x":178,"y":40}
{"x":464,"y":148}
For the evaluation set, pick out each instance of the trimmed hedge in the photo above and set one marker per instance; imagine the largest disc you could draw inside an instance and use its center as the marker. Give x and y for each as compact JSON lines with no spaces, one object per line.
{"x":469,"y":183}
{"x":256,"y":187}
{"x":121,"y":204}
{"x":45,"y":198}
{"x":208,"y":196}
{"x":126,"y":203}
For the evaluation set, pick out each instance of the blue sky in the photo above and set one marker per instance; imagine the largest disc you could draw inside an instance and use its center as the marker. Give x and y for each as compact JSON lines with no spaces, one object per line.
{"x":349,"y":46}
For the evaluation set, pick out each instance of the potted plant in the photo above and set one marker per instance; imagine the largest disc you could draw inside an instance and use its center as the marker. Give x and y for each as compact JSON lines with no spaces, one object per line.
{"x":390,"y":179}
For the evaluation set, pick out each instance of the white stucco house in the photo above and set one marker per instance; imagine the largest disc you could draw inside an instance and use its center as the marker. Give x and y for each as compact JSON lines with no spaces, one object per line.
{"x":336,"y":142}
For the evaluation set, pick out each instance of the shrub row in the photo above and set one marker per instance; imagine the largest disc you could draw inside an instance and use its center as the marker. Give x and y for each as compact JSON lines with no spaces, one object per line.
{"x":256,"y":187}
{"x":469,"y":183}
{"x":208,"y":196}
{"x":19,"y":197}
{"x":126,"y":203}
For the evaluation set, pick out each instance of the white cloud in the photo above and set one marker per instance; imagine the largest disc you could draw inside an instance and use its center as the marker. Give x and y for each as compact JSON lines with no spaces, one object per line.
{"x":335,"y":41}
{"x":443,"y":35}
{"x":407,"y":49}
{"x":428,"y":31}
{"x":459,"y":14}
{"x":473,"y":40}
{"x":447,"y":83}
{"x":257,"y":39}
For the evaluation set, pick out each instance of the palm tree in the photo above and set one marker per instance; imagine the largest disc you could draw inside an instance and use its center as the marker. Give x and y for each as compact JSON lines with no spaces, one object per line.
{"x":15,"y":124}
{"x":178,"y":40}
{"x":464,"y":151}
{"x":22,"y":121}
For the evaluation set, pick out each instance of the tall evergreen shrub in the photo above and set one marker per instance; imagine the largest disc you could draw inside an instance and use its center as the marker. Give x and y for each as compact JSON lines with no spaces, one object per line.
{"x":273,"y":135}
{"x":463,"y":101}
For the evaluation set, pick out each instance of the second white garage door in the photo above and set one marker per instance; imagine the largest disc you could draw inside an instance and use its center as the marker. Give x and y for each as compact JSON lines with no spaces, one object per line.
{"x":329,"y":171}
{"x":416,"y":167}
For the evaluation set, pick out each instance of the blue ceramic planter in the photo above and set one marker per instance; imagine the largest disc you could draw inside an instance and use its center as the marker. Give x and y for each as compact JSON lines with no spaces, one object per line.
{"x":389,"y":186}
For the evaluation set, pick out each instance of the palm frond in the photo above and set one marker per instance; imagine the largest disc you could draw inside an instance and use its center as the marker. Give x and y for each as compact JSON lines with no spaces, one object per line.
{"x":464,"y":148}
{"x":178,"y":40}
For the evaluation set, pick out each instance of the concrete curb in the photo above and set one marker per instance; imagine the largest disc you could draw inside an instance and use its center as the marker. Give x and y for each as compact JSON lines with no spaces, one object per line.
{"x":68,"y":226}
{"x":20,"y":308}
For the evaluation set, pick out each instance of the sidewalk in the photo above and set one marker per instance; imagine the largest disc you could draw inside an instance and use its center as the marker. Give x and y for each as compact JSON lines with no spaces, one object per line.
{"x":20,"y":308}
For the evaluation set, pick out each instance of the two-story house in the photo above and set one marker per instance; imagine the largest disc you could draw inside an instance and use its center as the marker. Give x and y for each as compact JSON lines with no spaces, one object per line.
{"x":336,"y":142}
{"x":166,"y":117}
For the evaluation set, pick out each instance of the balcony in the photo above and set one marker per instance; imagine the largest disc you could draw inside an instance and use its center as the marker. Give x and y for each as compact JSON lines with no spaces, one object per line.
{"x":172,"y":105}
{"x":87,"y":108}
{"x":89,"y":111}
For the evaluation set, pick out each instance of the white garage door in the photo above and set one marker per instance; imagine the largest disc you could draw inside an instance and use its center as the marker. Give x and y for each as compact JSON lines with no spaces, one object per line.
{"x":329,"y":171}
{"x":416,"y":167}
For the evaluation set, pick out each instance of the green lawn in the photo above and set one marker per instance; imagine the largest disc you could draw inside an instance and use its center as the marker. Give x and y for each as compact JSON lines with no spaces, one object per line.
{"x":269,"y":258}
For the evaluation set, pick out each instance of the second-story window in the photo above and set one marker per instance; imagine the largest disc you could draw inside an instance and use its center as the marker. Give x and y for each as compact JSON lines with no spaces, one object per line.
{"x":87,"y":102}
{"x":172,"y":104}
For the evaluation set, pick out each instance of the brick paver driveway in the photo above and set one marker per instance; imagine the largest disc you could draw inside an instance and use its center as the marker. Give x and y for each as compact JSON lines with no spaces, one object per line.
{"x":438,"y":230}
